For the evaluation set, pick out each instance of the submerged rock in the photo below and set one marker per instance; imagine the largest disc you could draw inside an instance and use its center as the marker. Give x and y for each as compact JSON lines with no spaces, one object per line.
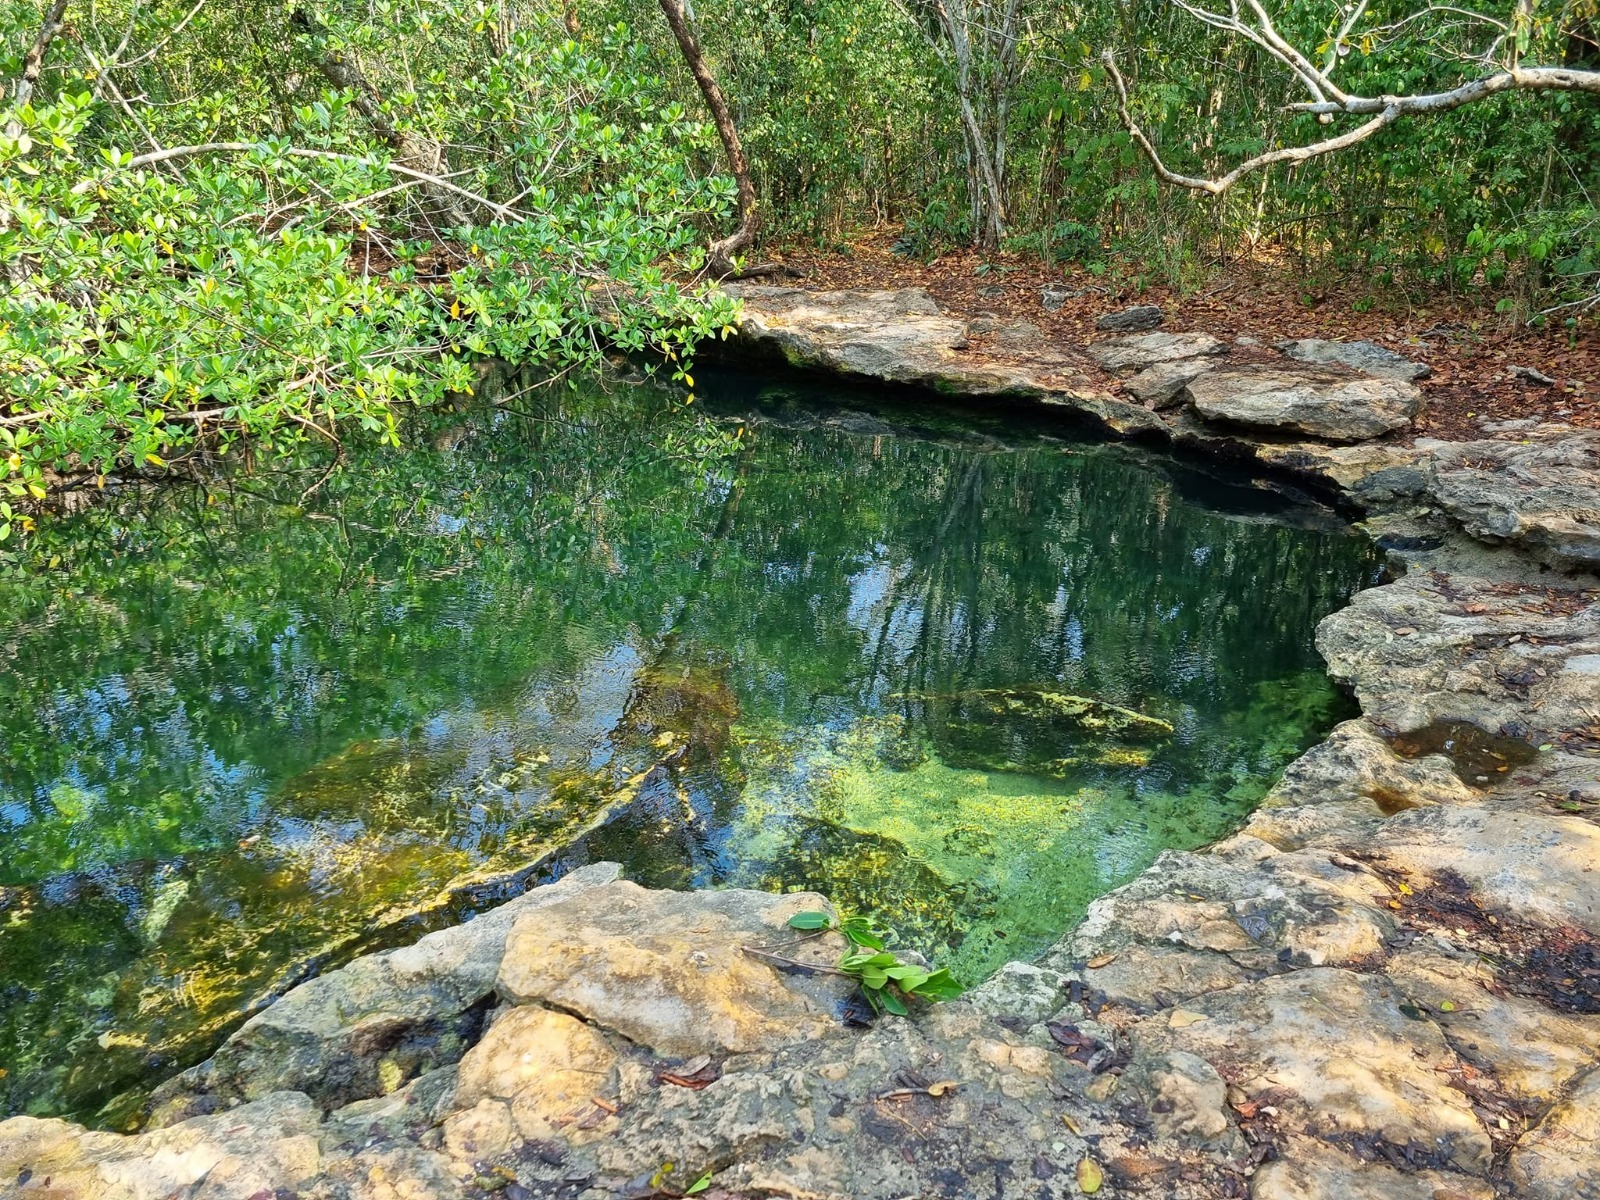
{"x":1044,"y":704}
{"x":1307,"y":400}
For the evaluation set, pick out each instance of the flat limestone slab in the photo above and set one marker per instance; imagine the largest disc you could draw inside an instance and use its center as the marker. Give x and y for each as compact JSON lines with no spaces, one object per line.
{"x":1540,"y":490}
{"x":1314,"y":401}
{"x":902,"y":337}
{"x":668,"y":970}
{"x":1366,"y":357}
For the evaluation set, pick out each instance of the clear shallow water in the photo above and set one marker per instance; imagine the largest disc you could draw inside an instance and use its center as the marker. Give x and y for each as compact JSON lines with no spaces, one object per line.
{"x":787,"y":645}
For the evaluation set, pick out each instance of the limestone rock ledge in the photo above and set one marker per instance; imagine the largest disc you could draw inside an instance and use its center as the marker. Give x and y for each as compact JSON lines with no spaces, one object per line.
{"x":1313,"y":408}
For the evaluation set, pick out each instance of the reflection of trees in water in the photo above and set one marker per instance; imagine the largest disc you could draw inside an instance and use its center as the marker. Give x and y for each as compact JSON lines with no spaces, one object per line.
{"x":951,"y":569}
{"x":264,"y":728}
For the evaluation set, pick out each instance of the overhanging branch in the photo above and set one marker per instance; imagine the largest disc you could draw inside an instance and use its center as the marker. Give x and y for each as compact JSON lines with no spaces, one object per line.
{"x":502,"y":211}
{"x":1221,"y":184}
{"x":1328,"y":100}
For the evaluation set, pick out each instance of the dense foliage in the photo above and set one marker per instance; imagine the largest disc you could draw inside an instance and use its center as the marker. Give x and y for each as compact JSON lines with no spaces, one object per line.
{"x":385,"y":193}
{"x":848,"y":110}
{"x":276,"y":222}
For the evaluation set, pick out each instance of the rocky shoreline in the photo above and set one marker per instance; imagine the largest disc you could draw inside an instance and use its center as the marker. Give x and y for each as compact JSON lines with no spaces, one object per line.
{"x":1386,"y":985}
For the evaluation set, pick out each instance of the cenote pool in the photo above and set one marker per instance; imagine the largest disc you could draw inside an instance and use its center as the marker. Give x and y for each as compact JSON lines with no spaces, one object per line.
{"x":963,"y":677}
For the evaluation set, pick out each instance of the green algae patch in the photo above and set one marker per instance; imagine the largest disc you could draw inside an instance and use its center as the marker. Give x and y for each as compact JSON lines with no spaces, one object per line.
{"x":973,"y":867}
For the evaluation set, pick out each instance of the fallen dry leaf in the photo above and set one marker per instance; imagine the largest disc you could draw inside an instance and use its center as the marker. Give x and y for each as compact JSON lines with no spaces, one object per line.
{"x":1101,"y":960}
{"x":1182,"y":1018}
{"x":1090,"y":1176}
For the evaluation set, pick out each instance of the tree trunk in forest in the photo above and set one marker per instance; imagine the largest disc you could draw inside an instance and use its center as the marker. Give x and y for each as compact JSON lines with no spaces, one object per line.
{"x":33,"y":63}
{"x":981,"y":50}
{"x":719,"y":255}
{"x":983,"y":178}
{"x":32,"y":66}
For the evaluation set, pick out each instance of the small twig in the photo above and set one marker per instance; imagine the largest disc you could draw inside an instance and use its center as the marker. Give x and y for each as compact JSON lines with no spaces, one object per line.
{"x":338,"y":459}
{"x":794,"y":962}
{"x":942,"y":1088}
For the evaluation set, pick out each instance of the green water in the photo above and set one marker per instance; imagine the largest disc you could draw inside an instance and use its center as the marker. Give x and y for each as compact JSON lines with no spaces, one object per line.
{"x":763,"y":640}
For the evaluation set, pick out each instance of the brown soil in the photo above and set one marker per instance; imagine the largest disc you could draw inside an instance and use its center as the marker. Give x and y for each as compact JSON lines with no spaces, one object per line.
{"x":1469,"y":347}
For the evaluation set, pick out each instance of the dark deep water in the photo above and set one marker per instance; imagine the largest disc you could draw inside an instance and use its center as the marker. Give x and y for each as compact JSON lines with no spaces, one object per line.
{"x":784,"y":645}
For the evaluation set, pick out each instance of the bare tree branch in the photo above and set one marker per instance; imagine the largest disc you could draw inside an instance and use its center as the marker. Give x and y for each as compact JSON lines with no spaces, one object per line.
{"x":1523,"y":79}
{"x":1328,"y":100}
{"x":949,"y":26}
{"x":1219,"y":185}
{"x":421,"y":177}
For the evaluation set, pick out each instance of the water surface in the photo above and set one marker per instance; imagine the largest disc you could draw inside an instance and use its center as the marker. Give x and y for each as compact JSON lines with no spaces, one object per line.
{"x":964,"y":678}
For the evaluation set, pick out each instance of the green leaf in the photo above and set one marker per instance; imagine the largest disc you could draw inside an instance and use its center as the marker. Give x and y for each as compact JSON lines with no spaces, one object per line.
{"x":699,"y":1185}
{"x":811,"y":921}
{"x":862,"y":936}
{"x":909,"y":978}
{"x":939,"y":986}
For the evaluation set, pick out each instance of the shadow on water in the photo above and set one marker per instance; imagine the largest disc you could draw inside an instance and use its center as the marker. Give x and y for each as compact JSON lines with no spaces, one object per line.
{"x":963,"y":674}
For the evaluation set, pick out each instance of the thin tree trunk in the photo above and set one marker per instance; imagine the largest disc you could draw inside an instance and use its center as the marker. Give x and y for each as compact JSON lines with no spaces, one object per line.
{"x":413,"y":150}
{"x":17,"y":270}
{"x":983,"y":179}
{"x":33,"y":64}
{"x":720,"y":253}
